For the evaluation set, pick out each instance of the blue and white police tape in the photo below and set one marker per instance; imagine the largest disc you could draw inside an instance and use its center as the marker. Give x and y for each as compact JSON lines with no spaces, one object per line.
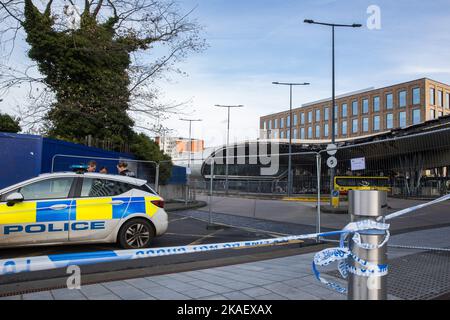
{"x":16,"y":265}
{"x":342,"y":255}
{"x":414,"y":208}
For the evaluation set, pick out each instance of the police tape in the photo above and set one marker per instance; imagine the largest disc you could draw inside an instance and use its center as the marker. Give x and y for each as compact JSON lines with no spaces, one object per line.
{"x":414,"y":208}
{"x":38,"y":263}
{"x":343,"y":256}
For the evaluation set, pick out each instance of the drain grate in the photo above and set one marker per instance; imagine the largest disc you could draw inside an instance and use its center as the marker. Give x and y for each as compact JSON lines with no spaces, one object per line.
{"x":419,"y":276}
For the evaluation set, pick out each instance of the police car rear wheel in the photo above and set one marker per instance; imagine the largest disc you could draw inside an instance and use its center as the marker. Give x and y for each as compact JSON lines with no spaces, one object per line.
{"x":136,"y":234}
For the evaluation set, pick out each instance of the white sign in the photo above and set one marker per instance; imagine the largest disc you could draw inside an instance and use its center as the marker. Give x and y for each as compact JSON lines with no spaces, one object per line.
{"x":331,"y":149}
{"x":331,"y":162}
{"x":358,"y":164}
{"x":188,"y":171}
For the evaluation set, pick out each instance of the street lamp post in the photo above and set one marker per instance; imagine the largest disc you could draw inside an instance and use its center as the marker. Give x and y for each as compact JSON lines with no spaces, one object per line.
{"x":190,"y":152}
{"x":190,"y":140}
{"x":333,"y":99}
{"x":290,"y":84}
{"x":228,"y":141}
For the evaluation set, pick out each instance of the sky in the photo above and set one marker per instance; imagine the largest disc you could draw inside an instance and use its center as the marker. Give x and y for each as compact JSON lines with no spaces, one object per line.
{"x":254,"y":42}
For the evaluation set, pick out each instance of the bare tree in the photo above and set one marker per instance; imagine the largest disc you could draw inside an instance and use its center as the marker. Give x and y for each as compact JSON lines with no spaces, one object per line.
{"x":157,"y":33}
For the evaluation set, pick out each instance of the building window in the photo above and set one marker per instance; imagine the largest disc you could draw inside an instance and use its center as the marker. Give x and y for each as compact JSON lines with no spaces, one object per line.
{"x":389,"y":101}
{"x":376,"y":123}
{"x":376,"y":104}
{"x":402,"y":119}
{"x":432,"y":114}
{"x":440,"y":98}
{"x":365,"y":106}
{"x":402,"y":98}
{"x":355,"y":107}
{"x":288,"y":134}
{"x":275,"y":123}
{"x":281,"y":134}
{"x":302,"y":118}
{"x":295,"y":119}
{"x":336,"y":129}
{"x":389,"y":121}
{"x":416,"y":116}
{"x":275,"y":134}
{"x":344,"y":128}
{"x":344,"y":110}
{"x":325,"y":130}
{"x":447,"y":100}
{"x":365,"y":124}
{"x":288,"y":121}
{"x":302,"y":133}
{"x":281,"y":123}
{"x":416,"y":95}
{"x":432,"y":96}
{"x":309,"y":116}
{"x":270,"y":124}
{"x":317,"y":115}
{"x":355,"y":126}
{"x":317,"y":131}
{"x":325,"y":113}
{"x":295,"y":134}
{"x":310,"y":135}
{"x":336,"y":111}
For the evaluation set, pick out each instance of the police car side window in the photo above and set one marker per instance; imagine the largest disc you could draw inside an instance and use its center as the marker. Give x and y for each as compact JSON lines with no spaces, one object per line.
{"x":56,"y":188}
{"x":103,"y":188}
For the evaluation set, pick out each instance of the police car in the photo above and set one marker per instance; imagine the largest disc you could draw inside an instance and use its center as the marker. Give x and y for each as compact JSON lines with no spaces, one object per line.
{"x":69,"y":207}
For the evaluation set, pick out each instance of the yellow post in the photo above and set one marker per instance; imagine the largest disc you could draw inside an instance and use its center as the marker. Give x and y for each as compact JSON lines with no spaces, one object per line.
{"x":335,"y":199}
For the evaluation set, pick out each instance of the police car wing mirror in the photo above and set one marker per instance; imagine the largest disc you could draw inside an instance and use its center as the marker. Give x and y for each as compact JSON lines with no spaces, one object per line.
{"x":14,"y":198}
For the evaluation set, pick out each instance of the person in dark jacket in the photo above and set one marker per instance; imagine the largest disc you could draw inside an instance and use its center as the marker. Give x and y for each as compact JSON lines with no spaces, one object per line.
{"x":122,"y":168}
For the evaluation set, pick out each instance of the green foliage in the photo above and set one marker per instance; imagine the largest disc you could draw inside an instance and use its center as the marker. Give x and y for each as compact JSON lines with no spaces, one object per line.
{"x":9,"y":124}
{"x":87,"y":70}
{"x":146,"y":149}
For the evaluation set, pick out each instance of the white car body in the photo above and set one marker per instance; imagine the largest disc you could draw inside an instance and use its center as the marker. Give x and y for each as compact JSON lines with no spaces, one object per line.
{"x":69,"y":207}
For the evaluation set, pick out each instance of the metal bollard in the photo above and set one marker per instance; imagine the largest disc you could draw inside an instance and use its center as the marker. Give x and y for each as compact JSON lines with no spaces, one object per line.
{"x":365,"y":205}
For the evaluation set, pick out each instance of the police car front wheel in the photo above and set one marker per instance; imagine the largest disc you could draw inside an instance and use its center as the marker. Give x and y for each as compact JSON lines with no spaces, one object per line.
{"x":136,"y":234}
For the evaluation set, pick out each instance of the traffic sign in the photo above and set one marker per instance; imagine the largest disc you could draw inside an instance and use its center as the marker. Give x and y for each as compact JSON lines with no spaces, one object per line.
{"x":331,"y":149}
{"x":331,"y":162}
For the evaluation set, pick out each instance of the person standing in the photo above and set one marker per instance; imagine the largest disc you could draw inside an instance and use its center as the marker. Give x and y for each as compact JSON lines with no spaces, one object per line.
{"x":122,"y":168}
{"x":92,"y":166}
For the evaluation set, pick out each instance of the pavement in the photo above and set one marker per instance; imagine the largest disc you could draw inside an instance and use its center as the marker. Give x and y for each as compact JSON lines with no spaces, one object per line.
{"x":284,"y":278}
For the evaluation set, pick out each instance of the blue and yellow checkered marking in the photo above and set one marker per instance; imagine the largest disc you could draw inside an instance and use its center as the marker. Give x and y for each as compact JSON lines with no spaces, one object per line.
{"x":77,"y":210}
{"x":45,"y":214}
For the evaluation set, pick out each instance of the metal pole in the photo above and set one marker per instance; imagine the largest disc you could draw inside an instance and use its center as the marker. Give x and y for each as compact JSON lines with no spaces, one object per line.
{"x":290,"y":143}
{"x":226,"y":153}
{"x":318,"y":164}
{"x":333,"y":112}
{"x":210,"y":224}
{"x":363,"y":205}
{"x":157,"y":178}
{"x":190,"y":144}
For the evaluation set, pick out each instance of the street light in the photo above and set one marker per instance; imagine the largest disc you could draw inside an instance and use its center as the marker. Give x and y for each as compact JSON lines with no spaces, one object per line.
{"x":290,"y":84}
{"x":190,"y":140}
{"x":333,"y":120}
{"x":228,"y":141}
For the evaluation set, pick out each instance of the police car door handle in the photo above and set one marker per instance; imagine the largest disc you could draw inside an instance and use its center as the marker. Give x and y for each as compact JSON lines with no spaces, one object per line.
{"x":117,"y":202}
{"x":59,"y":206}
